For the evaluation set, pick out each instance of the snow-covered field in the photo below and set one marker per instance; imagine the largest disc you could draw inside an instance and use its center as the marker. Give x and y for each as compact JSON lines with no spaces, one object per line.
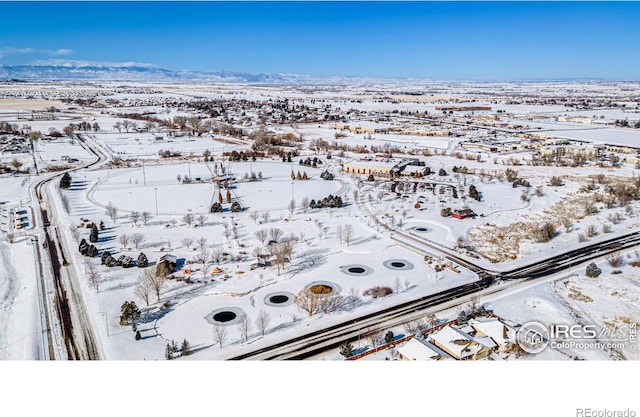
{"x":499,"y":237}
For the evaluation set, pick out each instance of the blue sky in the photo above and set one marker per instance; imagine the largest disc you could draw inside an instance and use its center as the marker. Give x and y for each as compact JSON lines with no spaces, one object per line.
{"x":437,"y":40}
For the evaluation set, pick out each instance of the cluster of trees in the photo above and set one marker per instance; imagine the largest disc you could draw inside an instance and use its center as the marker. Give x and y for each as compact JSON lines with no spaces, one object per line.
{"x":446,"y":212}
{"x":169,"y":154}
{"x":625,"y":123}
{"x":236,"y":156}
{"x":312,"y":303}
{"x":329,"y":201}
{"x":263,"y":139}
{"x":378,"y":292}
{"x":172,"y":349}
{"x":345,"y":233}
{"x":327,"y":176}
{"x":87,"y":250}
{"x":311,"y":162}
{"x":150,"y":282}
{"x":129,"y":313}
{"x":299,"y":176}
{"x":136,"y":238}
{"x":83,"y":126}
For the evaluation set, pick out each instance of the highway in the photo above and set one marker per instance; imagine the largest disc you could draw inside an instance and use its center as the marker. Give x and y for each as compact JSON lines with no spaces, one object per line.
{"x":70,"y":336}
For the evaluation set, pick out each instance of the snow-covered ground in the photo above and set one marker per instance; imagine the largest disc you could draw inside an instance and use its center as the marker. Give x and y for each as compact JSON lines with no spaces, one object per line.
{"x":499,"y":237}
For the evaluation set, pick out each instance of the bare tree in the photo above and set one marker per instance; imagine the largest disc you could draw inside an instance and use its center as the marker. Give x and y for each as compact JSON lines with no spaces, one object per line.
{"x":282,"y":253}
{"x":146,"y":216}
{"x":217,"y":254}
{"x":397,"y":284}
{"x":188,"y":219}
{"x":202,"y":242}
{"x":226,"y":231}
{"x":265,"y":216}
{"x":187,"y":242}
{"x":137,"y":239}
{"x":202,"y":219}
{"x":331,"y":302}
{"x":158,"y":280}
{"x":354,"y":297}
{"x":340,"y":232}
{"x":254,"y":215}
{"x":144,"y":285}
{"x":245,"y":327}
{"x":261,"y":235}
{"x":124,"y":240}
{"x":305,"y":204}
{"x":93,"y":275}
{"x":307,"y":301}
{"x":432,"y":319}
{"x":275,"y":233}
{"x":347,"y":232}
{"x":407,"y":285}
{"x":219,"y":334}
{"x":291,"y":207}
{"x":374,"y":337}
{"x":135,"y":217}
{"x":204,"y":256}
{"x":591,"y":230}
{"x":112,"y":211}
{"x":263,"y":321}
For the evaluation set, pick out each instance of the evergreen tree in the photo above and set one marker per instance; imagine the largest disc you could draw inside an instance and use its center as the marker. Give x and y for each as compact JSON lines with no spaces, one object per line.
{"x":92,"y":251}
{"x":143,"y":262}
{"x":388,"y":337}
{"x":138,"y":337}
{"x":462,"y":318}
{"x":65,"y":181}
{"x":84,"y":248}
{"x":593,"y":271}
{"x":346,"y":349}
{"x":184,"y":348}
{"x":168,"y":353}
{"x":129,"y":312}
{"x":93,"y":236}
{"x":105,"y":255}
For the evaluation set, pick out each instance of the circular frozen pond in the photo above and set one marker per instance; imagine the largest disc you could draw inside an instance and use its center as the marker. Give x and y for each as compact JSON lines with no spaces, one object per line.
{"x":398,"y":264}
{"x":279,"y":299}
{"x":421,"y":229}
{"x":225,"y":316}
{"x":323,"y":287}
{"x":356,"y":270}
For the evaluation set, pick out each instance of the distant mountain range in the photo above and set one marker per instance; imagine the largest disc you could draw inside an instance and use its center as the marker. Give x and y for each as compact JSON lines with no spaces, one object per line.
{"x":142,"y":72}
